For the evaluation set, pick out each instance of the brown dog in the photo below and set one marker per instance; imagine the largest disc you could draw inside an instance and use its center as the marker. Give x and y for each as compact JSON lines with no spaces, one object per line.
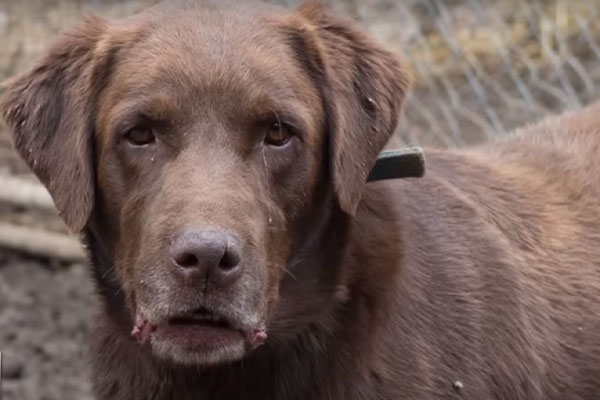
{"x":214,"y":155}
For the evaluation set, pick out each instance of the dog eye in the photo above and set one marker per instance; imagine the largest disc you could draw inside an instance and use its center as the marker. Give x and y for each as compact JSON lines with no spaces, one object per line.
{"x":140,"y":136}
{"x":278,"y":134}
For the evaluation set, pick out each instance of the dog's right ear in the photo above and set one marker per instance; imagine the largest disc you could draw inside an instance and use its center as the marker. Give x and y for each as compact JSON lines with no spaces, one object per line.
{"x":363,"y":86}
{"x":50,"y":112}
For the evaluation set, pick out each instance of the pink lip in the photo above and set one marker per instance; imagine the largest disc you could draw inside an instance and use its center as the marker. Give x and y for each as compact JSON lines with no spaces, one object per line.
{"x":142,"y":330}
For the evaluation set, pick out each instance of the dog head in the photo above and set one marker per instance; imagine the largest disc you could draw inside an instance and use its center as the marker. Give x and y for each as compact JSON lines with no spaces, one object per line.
{"x":207,"y":147}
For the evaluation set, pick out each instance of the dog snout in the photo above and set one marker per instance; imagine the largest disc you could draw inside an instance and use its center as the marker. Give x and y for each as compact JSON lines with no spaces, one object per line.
{"x":206,"y":255}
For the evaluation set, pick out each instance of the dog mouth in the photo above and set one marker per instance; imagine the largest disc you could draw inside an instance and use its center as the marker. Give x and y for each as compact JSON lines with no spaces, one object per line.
{"x":201,"y":317}
{"x":202,"y":330}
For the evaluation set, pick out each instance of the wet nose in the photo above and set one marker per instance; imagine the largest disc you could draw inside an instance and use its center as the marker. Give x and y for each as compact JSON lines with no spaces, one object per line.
{"x":201,"y":254}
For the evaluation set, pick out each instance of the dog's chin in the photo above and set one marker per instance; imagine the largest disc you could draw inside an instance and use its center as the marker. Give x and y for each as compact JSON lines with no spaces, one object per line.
{"x":201,"y":356}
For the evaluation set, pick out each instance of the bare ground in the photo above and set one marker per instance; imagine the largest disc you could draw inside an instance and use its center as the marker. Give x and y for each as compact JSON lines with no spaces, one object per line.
{"x":43,"y":330}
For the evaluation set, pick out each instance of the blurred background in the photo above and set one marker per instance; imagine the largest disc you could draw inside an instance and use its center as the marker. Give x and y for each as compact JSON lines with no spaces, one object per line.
{"x":482,"y":67}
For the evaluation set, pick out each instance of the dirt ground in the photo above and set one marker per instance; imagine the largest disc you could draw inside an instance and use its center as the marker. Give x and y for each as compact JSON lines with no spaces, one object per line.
{"x":43,"y":329}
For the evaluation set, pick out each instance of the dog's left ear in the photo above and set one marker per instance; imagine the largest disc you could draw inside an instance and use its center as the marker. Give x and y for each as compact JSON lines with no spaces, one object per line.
{"x":49,"y":112}
{"x":364,"y":88}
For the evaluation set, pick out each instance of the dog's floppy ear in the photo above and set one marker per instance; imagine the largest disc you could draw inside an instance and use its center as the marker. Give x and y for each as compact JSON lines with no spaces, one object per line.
{"x":365,"y":87}
{"x":50,"y":113}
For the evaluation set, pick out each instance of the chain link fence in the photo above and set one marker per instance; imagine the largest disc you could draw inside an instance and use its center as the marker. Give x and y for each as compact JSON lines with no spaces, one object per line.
{"x":486,"y":66}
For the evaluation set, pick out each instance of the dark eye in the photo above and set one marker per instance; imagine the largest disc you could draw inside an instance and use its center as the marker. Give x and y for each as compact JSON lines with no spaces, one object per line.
{"x":140,"y":136}
{"x":278,"y":134}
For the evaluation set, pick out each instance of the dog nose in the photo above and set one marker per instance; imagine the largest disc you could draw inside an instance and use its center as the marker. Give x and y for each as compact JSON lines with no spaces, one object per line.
{"x":200,"y":254}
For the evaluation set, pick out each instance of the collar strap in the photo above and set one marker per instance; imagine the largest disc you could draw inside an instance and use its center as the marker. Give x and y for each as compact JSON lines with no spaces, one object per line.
{"x":402,"y":163}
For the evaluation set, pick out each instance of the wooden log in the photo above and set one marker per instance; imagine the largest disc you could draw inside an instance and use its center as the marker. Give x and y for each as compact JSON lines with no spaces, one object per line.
{"x":41,"y":243}
{"x":22,"y":192}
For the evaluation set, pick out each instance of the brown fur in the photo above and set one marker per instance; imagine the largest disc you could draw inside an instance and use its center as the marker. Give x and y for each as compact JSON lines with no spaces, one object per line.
{"x":485,"y":272}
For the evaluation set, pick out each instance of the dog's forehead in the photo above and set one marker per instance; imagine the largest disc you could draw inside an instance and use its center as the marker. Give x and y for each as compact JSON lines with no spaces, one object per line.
{"x":210,"y":8}
{"x":228,"y":46}
{"x":213,"y":24}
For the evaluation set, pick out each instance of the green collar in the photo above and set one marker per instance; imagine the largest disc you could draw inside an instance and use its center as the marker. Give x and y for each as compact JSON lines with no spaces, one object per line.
{"x":402,"y":163}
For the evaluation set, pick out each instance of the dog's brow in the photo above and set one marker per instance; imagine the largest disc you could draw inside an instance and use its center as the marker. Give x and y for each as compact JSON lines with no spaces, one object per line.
{"x":290,"y":110}
{"x":160,"y":107}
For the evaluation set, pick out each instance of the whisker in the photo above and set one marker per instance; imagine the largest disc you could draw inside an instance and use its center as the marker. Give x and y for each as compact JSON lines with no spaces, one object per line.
{"x":109,"y":270}
{"x":287,"y":271}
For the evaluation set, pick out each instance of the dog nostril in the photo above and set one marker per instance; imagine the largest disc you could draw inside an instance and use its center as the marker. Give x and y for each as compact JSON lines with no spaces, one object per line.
{"x":186,"y":260}
{"x":230,"y":260}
